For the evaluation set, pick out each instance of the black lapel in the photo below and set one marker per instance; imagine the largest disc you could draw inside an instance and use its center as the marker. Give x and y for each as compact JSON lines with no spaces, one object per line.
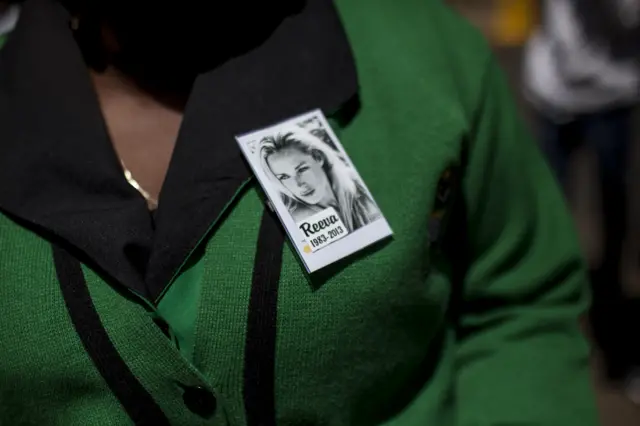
{"x":305,"y":64}
{"x":59,"y":172}
{"x":57,"y":168}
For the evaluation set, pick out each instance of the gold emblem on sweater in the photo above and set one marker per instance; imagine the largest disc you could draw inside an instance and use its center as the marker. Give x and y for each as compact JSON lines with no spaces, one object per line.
{"x":442,"y":204}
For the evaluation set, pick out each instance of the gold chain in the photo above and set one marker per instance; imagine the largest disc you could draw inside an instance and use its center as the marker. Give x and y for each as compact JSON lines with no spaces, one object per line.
{"x":151,"y":202}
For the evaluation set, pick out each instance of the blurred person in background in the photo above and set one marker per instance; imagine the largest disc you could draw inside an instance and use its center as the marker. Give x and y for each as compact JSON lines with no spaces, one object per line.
{"x":9,"y":12}
{"x":138,"y":290}
{"x":581,"y":74}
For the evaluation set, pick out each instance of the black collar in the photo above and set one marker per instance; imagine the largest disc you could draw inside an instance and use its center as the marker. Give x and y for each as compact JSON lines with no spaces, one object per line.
{"x":60,"y":175}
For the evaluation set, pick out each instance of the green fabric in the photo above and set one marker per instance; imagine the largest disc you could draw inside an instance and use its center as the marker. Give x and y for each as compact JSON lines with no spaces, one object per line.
{"x":371,"y":341}
{"x":179,"y":307}
{"x":3,"y":39}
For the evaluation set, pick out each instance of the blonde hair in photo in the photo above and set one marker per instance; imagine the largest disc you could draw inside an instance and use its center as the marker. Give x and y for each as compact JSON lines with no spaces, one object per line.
{"x":353,"y":201}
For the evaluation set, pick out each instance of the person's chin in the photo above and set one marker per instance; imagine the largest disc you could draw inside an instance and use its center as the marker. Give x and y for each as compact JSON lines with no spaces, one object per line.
{"x":310,"y":201}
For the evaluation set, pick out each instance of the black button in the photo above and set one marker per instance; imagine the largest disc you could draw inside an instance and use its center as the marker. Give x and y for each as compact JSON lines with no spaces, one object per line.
{"x":200,"y":401}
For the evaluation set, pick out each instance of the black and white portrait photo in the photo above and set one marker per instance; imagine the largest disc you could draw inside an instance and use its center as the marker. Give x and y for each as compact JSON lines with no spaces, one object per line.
{"x":308,"y":177}
{"x":312,"y":176}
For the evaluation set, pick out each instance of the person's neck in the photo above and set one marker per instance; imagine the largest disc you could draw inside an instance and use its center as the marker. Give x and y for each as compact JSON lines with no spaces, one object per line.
{"x":329,"y":200}
{"x":171,"y":93}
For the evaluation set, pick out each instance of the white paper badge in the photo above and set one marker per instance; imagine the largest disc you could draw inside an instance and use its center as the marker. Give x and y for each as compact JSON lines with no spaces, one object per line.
{"x":322,"y":229}
{"x":317,"y":193}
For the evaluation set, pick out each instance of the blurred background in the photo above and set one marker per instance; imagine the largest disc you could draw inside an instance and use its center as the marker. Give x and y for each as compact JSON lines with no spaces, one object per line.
{"x":589,"y":130}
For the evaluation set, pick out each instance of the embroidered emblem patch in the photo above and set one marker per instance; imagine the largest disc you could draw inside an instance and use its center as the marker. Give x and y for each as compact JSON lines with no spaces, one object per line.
{"x":442,"y":203}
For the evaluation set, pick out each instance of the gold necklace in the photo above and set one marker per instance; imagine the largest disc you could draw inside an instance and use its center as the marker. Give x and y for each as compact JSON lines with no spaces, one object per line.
{"x":151,"y":202}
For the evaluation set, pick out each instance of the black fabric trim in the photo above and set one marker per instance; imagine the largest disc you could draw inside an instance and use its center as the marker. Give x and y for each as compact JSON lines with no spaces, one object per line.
{"x":452,"y":255}
{"x":135,"y":400}
{"x":260,"y":347}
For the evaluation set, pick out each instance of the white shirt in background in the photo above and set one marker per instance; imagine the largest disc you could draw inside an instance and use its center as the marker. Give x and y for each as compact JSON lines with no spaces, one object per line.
{"x":565,"y":76}
{"x":9,"y":19}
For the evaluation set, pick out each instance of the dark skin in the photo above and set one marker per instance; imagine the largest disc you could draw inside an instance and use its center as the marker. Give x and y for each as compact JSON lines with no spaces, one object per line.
{"x":145,"y":73}
{"x":143,"y":129}
{"x":143,"y":121}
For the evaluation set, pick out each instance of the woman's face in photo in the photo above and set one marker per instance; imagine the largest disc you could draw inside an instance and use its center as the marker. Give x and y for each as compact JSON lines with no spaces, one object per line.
{"x":302,"y":174}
